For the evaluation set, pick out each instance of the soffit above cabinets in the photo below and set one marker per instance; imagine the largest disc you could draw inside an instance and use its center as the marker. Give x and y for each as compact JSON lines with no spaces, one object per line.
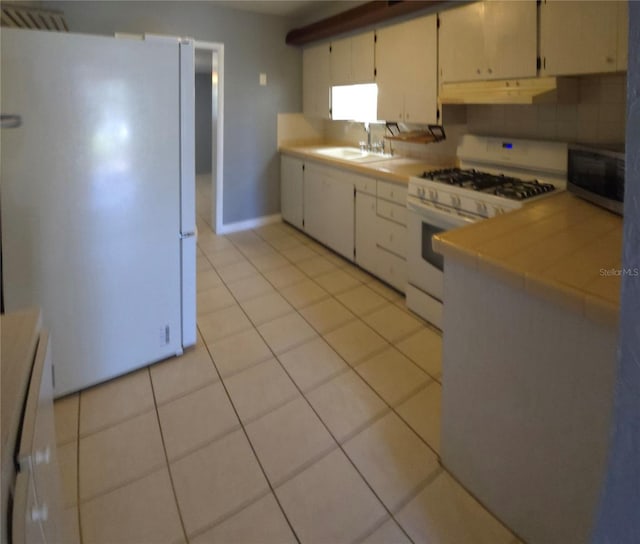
{"x":359,"y":17}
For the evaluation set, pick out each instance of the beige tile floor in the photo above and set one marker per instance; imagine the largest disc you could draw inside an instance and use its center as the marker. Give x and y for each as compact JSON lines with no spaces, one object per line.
{"x":307,"y":412}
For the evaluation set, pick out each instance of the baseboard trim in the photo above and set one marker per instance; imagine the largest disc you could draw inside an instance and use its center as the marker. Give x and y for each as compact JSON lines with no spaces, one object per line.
{"x":228,"y":228}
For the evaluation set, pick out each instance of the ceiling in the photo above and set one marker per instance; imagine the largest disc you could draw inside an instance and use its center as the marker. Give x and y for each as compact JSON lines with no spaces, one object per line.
{"x":285,"y":8}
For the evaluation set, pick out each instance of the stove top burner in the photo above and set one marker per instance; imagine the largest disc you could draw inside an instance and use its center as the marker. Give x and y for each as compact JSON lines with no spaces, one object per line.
{"x":496,"y":184}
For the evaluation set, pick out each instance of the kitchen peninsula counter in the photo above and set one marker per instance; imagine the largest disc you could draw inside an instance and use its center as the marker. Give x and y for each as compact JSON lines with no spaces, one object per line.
{"x":396,"y":169}
{"x":529,"y":360}
{"x":560,"y":248}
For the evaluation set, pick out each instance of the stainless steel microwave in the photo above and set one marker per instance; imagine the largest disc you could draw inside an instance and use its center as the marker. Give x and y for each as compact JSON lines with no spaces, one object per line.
{"x":597,"y":175}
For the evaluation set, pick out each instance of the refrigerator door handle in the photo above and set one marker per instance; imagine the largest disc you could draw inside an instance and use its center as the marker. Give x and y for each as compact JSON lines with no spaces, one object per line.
{"x":10,"y":121}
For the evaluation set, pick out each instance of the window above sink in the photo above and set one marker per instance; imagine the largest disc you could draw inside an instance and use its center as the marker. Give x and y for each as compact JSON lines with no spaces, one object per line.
{"x":354,"y":102}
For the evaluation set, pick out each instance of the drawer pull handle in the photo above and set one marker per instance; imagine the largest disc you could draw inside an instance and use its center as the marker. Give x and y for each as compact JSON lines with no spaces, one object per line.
{"x":40,"y":514}
{"x":42,"y":457}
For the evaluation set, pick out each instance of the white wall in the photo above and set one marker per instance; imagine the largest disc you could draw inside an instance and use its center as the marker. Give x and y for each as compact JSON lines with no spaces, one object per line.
{"x":253,"y":43}
{"x":203,"y":123}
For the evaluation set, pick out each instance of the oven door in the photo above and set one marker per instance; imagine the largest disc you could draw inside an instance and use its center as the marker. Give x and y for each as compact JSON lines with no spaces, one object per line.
{"x":425,"y":266}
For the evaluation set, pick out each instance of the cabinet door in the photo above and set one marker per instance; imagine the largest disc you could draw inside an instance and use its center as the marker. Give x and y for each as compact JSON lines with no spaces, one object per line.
{"x":461,"y":43}
{"x":362,"y":53}
{"x":622,"y":48}
{"x":291,"y":190}
{"x":392,"y":269}
{"x":314,"y":203}
{"x":421,"y":74}
{"x":26,"y":526}
{"x":341,"y":62}
{"x":488,"y":40}
{"x":37,"y":453}
{"x":366,"y":250}
{"x":391,"y":64}
{"x":316,"y":85}
{"x":339,"y":215}
{"x":578,"y":37}
{"x":391,"y":236}
{"x":510,"y":39}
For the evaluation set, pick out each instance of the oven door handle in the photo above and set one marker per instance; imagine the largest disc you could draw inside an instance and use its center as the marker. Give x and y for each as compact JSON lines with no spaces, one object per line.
{"x":438,"y":217}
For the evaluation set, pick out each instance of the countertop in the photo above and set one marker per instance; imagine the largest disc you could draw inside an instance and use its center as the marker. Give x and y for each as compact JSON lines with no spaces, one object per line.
{"x":396,"y":169}
{"x":560,"y":248}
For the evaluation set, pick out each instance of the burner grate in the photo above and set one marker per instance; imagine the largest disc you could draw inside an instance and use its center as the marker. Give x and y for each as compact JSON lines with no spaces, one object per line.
{"x":497,"y":184}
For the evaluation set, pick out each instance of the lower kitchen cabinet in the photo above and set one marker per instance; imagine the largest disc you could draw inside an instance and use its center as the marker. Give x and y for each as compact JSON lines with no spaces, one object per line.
{"x":381,"y":243}
{"x":391,"y":236}
{"x":329,"y":208}
{"x":359,"y":217}
{"x":28,"y":420}
{"x":366,"y":232}
{"x":392,"y":269}
{"x":292,"y":190}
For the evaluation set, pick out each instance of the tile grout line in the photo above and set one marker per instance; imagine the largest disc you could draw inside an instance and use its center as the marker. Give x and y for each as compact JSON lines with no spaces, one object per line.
{"x":389,"y":407}
{"x":187,"y":392}
{"x":480,"y":503}
{"x":132,"y":415}
{"x":421,"y":486}
{"x":233,"y":512}
{"x":246,"y":435}
{"x":349,"y":365}
{"x":166,"y":459}
{"x":353,"y":367}
{"x":339,"y":445}
{"x":363,"y":360}
{"x":81,"y":538}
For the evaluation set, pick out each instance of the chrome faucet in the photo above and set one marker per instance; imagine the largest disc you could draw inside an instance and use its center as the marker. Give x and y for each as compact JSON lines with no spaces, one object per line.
{"x":367,"y":129}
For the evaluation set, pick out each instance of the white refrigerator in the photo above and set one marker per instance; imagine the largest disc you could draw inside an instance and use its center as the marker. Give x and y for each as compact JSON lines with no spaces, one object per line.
{"x":98,"y":197}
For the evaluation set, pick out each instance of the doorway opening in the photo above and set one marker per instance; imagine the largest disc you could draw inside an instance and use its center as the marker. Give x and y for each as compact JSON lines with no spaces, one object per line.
{"x":209,"y":100}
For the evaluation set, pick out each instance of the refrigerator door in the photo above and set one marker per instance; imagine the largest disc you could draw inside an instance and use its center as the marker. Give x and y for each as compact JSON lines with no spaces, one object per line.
{"x":91,"y":198}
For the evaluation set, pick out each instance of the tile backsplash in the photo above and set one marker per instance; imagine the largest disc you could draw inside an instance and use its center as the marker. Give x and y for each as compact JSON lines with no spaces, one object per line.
{"x":351,"y":133}
{"x":597,"y":118}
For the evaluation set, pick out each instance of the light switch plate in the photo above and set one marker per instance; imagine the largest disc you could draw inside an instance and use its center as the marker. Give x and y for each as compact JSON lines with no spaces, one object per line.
{"x":263,"y":79}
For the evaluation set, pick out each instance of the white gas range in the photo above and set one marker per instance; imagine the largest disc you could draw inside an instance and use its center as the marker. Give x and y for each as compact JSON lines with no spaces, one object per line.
{"x":496,"y":175}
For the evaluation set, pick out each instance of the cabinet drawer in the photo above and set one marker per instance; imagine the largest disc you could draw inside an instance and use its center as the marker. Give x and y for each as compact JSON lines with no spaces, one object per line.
{"x":391,"y":236}
{"x":27,"y":513}
{"x":392,"y":269}
{"x":37,"y":453}
{"x":394,"y":212}
{"x":365,"y":185}
{"x":392,"y":191}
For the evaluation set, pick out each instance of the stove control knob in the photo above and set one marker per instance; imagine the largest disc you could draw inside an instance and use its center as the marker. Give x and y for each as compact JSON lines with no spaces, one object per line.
{"x":433,"y":195}
{"x":455,"y":201}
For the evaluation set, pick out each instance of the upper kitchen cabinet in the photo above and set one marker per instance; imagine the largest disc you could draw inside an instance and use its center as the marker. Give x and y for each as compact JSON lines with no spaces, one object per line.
{"x":316,"y":81}
{"x":583,"y":37}
{"x":488,"y":40}
{"x":406,"y":71}
{"x":352,"y":60}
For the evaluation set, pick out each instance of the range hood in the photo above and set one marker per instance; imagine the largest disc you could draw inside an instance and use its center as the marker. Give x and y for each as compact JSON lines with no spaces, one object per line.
{"x":539,"y":90}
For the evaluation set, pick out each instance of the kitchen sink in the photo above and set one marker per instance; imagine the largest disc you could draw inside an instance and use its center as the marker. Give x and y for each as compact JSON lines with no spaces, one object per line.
{"x":352,"y":154}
